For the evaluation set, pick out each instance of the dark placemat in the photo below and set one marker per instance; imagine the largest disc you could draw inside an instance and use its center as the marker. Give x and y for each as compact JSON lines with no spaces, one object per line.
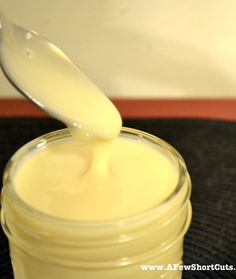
{"x":209,"y":149}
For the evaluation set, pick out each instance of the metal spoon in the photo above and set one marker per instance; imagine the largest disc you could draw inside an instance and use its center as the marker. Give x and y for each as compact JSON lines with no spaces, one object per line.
{"x":43,"y":73}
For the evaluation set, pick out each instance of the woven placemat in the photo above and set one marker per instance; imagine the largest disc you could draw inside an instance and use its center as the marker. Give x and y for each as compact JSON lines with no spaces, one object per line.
{"x":209,"y":149}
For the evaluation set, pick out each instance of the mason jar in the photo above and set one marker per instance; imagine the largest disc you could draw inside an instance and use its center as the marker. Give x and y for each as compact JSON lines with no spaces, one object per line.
{"x":142,"y":246}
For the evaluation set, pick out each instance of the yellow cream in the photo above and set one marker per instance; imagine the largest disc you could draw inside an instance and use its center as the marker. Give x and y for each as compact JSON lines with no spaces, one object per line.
{"x":91,"y":177}
{"x":60,"y":181}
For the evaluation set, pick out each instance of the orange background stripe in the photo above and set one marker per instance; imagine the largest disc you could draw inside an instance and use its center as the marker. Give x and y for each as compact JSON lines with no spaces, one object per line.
{"x":141,"y":108}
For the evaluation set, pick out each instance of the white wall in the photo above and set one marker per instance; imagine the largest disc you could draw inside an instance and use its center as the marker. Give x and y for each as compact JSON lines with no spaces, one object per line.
{"x":140,"y":48}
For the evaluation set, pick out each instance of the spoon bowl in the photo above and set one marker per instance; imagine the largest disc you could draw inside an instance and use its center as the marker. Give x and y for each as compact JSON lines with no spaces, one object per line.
{"x":47,"y":77}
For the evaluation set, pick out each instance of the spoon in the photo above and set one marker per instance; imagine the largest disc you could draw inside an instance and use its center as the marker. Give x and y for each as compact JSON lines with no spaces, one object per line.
{"x":47,"y":77}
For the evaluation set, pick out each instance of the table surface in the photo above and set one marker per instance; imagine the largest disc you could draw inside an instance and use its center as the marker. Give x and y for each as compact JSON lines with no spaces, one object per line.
{"x":209,"y":149}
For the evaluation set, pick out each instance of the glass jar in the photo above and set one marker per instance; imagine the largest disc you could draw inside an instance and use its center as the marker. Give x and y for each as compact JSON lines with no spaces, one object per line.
{"x":47,"y":247}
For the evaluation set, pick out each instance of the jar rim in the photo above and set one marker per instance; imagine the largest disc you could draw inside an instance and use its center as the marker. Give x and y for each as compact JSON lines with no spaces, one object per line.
{"x":41,"y":141}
